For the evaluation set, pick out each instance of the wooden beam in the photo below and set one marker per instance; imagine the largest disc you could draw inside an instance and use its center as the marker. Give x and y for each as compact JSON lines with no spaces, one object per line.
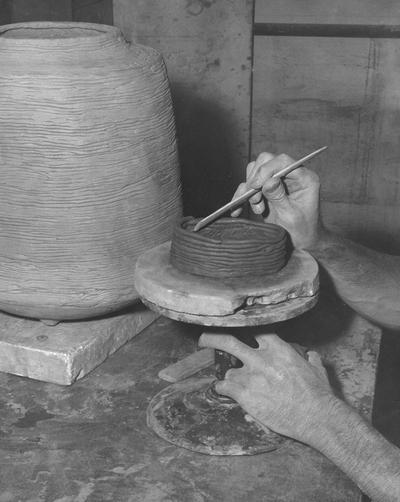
{"x":92,"y":11}
{"x":45,"y":10}
{"x":340,"y":92}
{"x":207,"y":48}
{"x":5,"y":11}
{"x":326,"y":30}
{"x":365,"y":12}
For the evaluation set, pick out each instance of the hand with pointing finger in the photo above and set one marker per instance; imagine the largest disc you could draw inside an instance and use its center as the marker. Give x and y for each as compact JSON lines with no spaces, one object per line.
{"x":276,"y":386}
{"x":293,"y":201}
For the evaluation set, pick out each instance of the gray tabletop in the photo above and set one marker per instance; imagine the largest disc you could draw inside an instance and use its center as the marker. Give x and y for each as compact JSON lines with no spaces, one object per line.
{"x":89,"y":442}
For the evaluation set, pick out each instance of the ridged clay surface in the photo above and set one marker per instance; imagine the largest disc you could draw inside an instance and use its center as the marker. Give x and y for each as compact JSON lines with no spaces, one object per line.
{"x":229,"y":247}
{"x":88,"y":167}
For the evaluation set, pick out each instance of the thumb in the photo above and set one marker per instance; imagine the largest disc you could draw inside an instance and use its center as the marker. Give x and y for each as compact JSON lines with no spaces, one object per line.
{"x":264,"y":170}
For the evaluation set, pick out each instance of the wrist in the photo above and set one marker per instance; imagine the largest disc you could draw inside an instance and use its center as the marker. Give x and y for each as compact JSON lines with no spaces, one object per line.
{"x":333,"y":424}
{"x":319,"y":430}
{"x":322,"y":239}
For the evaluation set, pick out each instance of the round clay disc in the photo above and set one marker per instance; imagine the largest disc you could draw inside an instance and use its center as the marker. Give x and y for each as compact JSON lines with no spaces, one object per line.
{"x":185,"y":416}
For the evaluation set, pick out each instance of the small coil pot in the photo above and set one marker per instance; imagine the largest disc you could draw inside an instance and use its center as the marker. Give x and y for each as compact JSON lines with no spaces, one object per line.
{"x":229,"y":247}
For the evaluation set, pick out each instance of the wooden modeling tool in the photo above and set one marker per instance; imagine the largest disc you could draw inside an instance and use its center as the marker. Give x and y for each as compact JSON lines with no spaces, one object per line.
{"x":239,"y":200}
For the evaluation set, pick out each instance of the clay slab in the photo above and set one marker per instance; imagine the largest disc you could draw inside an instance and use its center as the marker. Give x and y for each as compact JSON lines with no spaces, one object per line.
{"x":66,"y":352}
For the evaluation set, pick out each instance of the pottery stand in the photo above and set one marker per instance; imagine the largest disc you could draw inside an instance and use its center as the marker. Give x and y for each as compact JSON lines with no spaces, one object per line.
{"x":190,"y":413}
{"x":67,"y":351}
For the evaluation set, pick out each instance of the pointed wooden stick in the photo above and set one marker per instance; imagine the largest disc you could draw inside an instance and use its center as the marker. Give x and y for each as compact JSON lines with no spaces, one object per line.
{"x":239,"y":200}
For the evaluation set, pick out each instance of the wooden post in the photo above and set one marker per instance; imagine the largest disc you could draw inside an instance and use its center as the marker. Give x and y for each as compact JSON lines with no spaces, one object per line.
{"x":207,"y":47}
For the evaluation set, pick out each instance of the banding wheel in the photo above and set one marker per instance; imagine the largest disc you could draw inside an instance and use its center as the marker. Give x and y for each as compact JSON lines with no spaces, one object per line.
{"x":188,"y":413}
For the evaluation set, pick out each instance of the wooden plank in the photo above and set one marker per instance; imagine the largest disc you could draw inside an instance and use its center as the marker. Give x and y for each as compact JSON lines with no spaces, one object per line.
{"x":92,"y":11}
{"x":342,"y":93}
{"x":45,"y":10}
{"x":188,"y":366}
{"x":326,"y":30}
{"x":207,"y":50}
{"x":332,"y":11}
{"x":5,"y":12}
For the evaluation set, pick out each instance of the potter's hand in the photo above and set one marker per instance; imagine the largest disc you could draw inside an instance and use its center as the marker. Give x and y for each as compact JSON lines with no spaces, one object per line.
{"x":291,"y":396}
{"x":293,"y":201}
{"x":276,"y":385}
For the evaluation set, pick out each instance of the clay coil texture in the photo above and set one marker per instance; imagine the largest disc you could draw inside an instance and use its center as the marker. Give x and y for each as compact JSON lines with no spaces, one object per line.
{"x":88,"y":167}
{"x":229,"y":247}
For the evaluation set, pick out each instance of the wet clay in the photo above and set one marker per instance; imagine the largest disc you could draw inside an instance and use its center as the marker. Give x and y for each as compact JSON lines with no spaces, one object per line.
{"x":229,"y":247}
{"x":88,"y":167}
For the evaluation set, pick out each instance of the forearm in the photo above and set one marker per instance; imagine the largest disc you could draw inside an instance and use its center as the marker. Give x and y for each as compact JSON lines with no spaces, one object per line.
{"x":358,"y":450}
{"x":366,"y":280}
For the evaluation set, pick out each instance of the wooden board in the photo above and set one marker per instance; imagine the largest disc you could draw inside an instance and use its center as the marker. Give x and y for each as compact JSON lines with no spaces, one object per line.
{"x":188,"y":366}
{"x":207,"y":49}
{"x":92,"y":11}
{"x":310,"y":92}
{"x":332,"y":11}
{"x":44,"y":10}
{"x":5,"y":12}
{"x":88,"y":11}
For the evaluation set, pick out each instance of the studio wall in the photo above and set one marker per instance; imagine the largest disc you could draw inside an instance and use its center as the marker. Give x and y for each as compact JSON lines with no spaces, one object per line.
{"x":207,"y":48}
{"x":340,"y":91}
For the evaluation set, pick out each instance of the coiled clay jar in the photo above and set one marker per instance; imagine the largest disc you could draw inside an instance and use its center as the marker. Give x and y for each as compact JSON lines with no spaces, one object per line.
{"x":88,"y":167}
{"x":229,"y":248}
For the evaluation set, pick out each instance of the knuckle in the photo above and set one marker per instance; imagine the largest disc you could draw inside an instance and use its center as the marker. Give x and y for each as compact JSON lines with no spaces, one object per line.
{"x":202,"y":340}
{"x":264,"y":157}
{"x":314,"y":358}
{"x":225,"y":388}
{"x":264,"y":338}
{"x":311,"y":176}
{"x":276,"y":343}
{"x":221,"y":386}
{"x":274,"y":191}
{"x":231,"y":342}
{"x":275,"y":338}
{"x":271,"y":185}
{"x":258,"y":208}
{"x":230,"y":374}
{"x":255,"y":199}
{"x":284,"y":158}
{"x":240,"y":190}
{"x":249,"y":168}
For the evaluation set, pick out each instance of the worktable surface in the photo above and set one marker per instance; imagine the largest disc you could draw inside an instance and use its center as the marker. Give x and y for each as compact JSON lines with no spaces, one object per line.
{"x":90,"y":443}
